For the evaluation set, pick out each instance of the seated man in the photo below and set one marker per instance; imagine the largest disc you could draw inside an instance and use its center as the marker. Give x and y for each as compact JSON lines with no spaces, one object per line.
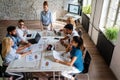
{"x":70,"y":34}
{"x":21,"y":30}
{"x":11,"y":32}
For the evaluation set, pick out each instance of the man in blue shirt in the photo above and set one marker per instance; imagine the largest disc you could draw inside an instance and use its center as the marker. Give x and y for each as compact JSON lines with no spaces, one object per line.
{"x":13,"y":35}
{"x":46,"y":17}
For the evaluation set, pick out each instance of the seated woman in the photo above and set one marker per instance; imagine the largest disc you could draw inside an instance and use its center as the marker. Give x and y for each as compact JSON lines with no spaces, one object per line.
{"x":10,"y":54}
{"x":76,"y":58}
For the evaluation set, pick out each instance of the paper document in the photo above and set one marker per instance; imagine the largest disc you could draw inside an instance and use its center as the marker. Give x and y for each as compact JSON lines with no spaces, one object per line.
{"x":37,"y":47}
{"x":46,"y":65}
{"x":58,"y":55}
{"x":22,"y":64}
{"x":32,"y":57}
{"x":59,"y":47}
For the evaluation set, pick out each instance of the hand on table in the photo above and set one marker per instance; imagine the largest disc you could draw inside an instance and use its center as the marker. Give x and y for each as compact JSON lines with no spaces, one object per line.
{"x":56,"y":60}
{"x":51,"y":29}
{"x":28,"y":45}
{"x":61,"y":41}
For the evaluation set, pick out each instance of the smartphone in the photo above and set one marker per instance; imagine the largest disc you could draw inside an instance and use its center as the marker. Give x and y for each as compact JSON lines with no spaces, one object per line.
{"x":56,"y":38}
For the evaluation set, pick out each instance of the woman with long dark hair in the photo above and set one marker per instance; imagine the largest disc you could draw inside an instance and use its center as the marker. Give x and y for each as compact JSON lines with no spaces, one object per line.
{"x":76,"y":58}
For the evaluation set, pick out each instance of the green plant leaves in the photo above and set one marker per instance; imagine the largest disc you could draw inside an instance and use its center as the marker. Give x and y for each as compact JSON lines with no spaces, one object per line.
{"x":86,"y":9}
{"x":111,"y":33}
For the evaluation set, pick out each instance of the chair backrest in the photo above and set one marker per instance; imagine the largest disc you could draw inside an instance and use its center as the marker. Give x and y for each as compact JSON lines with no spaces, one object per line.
{"x":79,"y":32}
{"x":87,"y":61}
{"x":1,"y":50}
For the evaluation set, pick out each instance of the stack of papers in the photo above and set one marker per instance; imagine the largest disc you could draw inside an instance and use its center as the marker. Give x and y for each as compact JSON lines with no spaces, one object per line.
{"x":59,"y":56}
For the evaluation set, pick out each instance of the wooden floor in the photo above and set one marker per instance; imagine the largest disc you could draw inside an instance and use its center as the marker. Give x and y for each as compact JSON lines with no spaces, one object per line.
{"x":98,"y":68}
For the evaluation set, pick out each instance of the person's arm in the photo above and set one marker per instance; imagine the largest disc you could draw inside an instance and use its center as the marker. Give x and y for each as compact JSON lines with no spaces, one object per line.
{"x":25,"y":43}
{"x":26,"y":53}
{"x":41,"y":25}
{"x":69,"y":48}
{"x":51,"y":25}
{"x":67,"y":63}
{"x":62,"y":41}
{"x":65,"y":38}
{"x":22,"y":48}
{"x":41,"y":21}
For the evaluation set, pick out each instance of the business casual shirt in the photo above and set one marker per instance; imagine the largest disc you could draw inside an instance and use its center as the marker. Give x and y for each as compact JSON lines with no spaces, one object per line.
{"x":46,"y":18}
{"x":11,"y":56}
{"x":20,"y":34}
{"x":16,"y":40}
{"x":75,"y":52}
{"x":74,"y":33}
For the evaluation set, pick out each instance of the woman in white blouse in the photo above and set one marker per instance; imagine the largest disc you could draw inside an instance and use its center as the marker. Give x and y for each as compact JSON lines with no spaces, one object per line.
{"x":10,"y":54}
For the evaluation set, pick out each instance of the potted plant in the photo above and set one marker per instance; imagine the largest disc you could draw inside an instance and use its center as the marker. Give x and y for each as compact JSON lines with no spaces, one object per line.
{"x":111,"y":33}
{"x":86,"y":9}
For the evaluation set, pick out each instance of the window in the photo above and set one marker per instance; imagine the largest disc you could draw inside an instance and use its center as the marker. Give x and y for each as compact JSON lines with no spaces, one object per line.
{"x":86,"y":2}
{"x":110,"y":14}
{"x":113,"y":12}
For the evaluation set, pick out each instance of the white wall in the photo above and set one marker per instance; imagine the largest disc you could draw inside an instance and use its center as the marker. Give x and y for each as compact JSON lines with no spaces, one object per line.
{"x":115,"y":62}
{"x":28,"y":9}
{"x":66,"y":2}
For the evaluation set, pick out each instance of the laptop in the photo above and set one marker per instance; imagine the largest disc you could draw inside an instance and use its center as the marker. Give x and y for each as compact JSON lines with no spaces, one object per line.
{"x":33,"y":38}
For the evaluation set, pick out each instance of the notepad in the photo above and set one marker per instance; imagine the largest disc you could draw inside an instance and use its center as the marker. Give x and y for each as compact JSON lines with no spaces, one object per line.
{"x":59,"y":56}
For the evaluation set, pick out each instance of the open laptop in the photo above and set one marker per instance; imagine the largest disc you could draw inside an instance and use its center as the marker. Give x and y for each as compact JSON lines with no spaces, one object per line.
{"x":33,"y":38}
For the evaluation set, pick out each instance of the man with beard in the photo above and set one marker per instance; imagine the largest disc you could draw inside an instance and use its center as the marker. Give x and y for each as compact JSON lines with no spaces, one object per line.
{"x":11,"y":32}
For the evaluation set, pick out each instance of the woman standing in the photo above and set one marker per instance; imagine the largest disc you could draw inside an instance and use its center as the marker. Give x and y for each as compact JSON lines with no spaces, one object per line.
{"x":46,"y":17}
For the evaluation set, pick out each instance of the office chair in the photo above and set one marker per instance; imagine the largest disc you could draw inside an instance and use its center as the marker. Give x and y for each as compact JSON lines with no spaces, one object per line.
{"x":86,"y":64}
{"x":3,"y":74}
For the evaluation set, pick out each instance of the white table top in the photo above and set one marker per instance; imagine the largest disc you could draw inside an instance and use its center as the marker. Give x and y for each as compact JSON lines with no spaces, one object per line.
{"x":44,"y":62}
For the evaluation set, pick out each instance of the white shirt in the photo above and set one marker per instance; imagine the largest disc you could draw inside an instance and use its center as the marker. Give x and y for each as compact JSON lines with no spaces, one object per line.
{"x":11,"y":56}
{"x":20,"y":34}
{"x":74,"y":33}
